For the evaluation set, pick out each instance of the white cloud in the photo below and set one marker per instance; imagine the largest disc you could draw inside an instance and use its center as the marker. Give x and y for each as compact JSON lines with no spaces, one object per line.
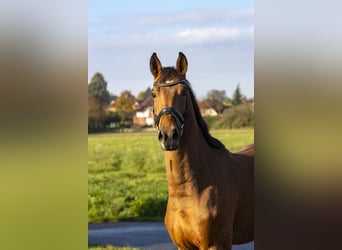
{"x":188,"y":36}
{"x":213,"y":34}
{"x":182,"y":28}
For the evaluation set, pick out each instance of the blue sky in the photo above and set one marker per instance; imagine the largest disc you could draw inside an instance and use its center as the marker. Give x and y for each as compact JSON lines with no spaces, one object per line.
{"x":216,"y":36}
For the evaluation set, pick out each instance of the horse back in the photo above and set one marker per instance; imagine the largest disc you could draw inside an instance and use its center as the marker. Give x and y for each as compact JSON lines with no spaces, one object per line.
{"x":247,"y":150}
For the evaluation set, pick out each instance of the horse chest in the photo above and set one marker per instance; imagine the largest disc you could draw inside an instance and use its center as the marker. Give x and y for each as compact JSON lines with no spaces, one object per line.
{"x":189,"y":220}
{"x":183,"y":227}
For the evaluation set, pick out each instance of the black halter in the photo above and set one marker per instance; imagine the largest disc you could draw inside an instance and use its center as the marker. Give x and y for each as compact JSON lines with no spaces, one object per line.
{"x":177,"y":116}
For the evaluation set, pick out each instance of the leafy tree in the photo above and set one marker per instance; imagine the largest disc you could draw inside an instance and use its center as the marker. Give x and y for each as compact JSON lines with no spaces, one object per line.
{"x":143,"y":95}
{"x":98,"y":88}
{"x":98,"y":99}
{"x":237,"y":96}
{"x":124,"y":105}
{"x":214,"y":100}
{"x":96,"y":112}
{"x":112,"y":97}
{"x":216,"y":95}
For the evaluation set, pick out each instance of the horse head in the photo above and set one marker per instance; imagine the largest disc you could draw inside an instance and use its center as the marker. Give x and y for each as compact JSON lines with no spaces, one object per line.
{"x":169,"y":92}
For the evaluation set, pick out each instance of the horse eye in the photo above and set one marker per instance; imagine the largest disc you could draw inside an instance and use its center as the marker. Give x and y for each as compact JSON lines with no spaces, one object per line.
{"x":153,"y":95}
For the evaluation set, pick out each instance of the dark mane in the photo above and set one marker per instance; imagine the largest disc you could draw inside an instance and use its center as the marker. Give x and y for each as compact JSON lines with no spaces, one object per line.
{"x":213,"y":142}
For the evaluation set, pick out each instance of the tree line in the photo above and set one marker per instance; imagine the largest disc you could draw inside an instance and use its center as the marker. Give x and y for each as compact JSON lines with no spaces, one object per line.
{"x":106,"y":109}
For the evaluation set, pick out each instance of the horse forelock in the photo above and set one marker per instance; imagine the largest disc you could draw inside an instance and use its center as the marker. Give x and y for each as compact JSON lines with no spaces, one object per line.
{"x":169,"y":74}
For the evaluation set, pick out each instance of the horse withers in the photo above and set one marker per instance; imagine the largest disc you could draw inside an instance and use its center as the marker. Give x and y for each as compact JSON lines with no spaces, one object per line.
{"x":211,"y":197}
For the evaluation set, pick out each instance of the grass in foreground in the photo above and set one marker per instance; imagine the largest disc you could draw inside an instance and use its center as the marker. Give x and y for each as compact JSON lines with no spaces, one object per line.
{"x":126,"y":175}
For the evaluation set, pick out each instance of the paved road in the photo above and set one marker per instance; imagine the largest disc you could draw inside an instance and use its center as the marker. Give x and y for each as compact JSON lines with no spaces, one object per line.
{"x":143,"y":235}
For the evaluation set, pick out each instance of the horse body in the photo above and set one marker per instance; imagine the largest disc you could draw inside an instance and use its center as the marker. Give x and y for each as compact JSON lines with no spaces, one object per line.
{"x":211,"y":200}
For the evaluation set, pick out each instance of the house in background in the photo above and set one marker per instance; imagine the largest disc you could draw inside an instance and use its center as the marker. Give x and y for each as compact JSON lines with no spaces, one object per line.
{"x":143,"y":115}
{"x":208,"y":112}
{"x":111,"y":106}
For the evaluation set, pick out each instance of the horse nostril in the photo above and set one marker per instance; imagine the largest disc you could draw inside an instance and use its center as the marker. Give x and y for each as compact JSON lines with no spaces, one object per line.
{"x":174,"y":135}
{"x":160,"y":136}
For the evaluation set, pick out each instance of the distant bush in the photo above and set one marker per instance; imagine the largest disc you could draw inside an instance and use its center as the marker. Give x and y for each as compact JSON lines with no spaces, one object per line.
{"x":240,"y":116}
{"x":211,"y":120}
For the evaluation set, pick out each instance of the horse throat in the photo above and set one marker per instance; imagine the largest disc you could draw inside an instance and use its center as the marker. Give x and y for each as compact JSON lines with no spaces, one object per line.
{"x":184,"y":164}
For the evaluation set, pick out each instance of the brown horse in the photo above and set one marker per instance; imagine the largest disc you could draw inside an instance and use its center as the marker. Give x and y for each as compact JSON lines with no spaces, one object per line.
{"x":211,"y":198}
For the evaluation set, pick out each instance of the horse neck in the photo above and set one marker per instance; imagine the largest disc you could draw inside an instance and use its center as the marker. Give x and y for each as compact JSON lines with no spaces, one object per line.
{"x":184,"y":164}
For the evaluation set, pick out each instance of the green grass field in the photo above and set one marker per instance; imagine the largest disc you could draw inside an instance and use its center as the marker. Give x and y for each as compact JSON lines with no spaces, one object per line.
{"x":126,"y":175}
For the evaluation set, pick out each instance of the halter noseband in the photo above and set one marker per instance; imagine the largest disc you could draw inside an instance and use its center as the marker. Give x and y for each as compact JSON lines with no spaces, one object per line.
{"x":177,"y":116}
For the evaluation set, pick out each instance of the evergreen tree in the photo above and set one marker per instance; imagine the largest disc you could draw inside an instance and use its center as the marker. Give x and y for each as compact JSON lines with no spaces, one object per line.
{"x":237,"y":96}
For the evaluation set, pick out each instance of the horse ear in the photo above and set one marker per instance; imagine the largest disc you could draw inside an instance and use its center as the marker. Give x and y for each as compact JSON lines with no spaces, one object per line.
{"x":155,"y":65}
{"x":182,"y":64}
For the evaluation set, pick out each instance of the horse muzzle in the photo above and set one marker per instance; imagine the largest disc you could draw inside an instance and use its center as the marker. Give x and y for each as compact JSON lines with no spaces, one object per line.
{"x":169,"y":136}
{"x":169,"y":139}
